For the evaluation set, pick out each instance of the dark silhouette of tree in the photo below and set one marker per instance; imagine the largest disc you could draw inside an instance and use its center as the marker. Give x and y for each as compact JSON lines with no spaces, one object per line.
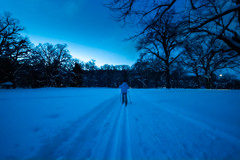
{"x":178,"y":74}
{"x":90,"y":80}
{"x":162,"y":40}
{"x":55,"y":58}
{"x":125,"y":75}
{"x":147,"y":72}
{"x":13,"y":48}
{"x":191,"y":59}
{"x":209,"y":57}
{"x":9,"y":31}
{"x":77,"y":78}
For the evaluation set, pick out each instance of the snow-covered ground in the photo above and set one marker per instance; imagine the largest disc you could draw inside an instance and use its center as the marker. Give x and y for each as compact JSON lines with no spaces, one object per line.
{"x":89,"y":123}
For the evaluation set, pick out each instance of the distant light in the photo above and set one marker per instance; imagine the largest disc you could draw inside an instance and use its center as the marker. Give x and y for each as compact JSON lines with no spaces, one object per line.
{"x":220,"y":75}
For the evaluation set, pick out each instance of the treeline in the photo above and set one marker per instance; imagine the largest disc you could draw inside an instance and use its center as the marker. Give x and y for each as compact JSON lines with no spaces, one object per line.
{"x":48,"y":65}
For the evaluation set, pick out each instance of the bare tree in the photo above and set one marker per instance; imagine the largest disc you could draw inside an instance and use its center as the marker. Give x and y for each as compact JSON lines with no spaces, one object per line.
{"x":202,"y":54}
{"x":191,"y":59}
{"x":9,"y":31}
{"x":55,"y":58}
{"x":14,"y":49}
{"x":162,"y":40}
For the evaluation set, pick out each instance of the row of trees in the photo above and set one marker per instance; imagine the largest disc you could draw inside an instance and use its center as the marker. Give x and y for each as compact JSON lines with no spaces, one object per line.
{"x":167,"y":59}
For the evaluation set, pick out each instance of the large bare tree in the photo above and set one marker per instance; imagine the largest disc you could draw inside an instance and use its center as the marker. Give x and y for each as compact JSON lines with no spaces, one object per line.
{"x":162,"y":40}
{"x":203,"y":55}
{"x":14,"y":48}
{"x":54,"y":58}
{"x":10,"y":29}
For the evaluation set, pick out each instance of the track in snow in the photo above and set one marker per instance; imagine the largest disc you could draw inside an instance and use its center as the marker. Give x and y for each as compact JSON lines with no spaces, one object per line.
{"x":102,"y":133}
{"x":139,"y":131}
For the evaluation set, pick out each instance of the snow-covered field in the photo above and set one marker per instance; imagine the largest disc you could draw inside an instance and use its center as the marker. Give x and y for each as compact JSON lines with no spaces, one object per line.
{"x":88,"y":123}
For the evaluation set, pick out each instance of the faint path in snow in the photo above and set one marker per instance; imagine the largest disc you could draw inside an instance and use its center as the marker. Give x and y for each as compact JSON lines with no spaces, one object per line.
{"x":102,"y":133}
{"x":143,"y":130}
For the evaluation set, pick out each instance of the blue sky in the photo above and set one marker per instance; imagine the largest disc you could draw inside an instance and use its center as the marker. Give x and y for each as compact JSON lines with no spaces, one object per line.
{"x":84,"y":25}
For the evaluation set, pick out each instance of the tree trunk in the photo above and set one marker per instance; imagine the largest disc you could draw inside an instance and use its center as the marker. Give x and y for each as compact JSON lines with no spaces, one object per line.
{"x":168,"y":78}
{"x":198,"y":80}
{"x":208,"y":83}
{"x":197,"y":75}
{"x":156,"y":79}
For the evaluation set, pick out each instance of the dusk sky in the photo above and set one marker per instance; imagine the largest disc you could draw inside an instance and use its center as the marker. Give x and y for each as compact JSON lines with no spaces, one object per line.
{"x":84,"y":25}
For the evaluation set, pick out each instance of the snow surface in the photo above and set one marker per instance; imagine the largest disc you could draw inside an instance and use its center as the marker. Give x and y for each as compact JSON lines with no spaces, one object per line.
{"x":91,"y":123}
{"x":7,"y":83}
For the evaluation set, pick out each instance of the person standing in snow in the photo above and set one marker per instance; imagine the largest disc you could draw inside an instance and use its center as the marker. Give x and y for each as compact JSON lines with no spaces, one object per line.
{"x":124,"y":88}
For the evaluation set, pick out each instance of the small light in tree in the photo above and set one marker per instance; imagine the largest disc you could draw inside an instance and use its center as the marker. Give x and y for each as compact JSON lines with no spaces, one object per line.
{"x":220,"y":75}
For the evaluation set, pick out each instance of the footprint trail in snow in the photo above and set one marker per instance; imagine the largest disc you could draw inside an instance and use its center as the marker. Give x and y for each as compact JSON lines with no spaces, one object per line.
{"x":142,"y":130}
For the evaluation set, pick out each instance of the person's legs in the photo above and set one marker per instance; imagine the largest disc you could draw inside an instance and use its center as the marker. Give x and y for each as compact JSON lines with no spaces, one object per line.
{"x":122,"y":98}
{"x":125,"y":98}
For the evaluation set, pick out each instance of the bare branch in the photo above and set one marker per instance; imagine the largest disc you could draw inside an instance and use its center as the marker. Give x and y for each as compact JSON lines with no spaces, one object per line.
{"x":233,"y":9}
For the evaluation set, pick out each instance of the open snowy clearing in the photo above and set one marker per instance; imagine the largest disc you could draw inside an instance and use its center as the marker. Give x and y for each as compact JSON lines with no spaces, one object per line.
{"x":90,"y":123}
